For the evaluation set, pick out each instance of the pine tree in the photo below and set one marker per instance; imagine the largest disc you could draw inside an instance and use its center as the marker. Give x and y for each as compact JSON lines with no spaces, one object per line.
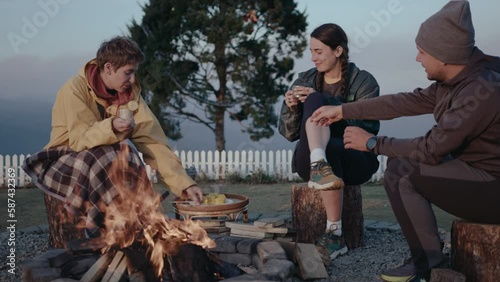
{"x":208,"y":58}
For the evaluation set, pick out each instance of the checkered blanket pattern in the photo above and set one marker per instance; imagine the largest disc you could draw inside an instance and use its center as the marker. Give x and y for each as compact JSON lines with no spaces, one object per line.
{"x":81,"y":179}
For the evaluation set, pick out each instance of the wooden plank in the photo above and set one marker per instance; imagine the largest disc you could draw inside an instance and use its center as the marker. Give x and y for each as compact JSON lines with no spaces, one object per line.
{"x":250,"y":234}
{"x":269,"y":222}
{"x":217,"y":230}
{"x":119,"y":271}
{"x":97,"y":270}
{"x":212,"y":223}
{"x":112,"y":266}
{"x":310,"y":263}
{"x":249,"y":227}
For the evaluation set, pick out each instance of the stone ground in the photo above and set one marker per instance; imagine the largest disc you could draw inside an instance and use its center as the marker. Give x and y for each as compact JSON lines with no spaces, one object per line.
{"x":384,"y":247}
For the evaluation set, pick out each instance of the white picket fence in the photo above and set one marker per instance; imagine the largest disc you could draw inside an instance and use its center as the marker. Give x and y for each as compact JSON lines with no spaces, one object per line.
{"x":213,"y":164}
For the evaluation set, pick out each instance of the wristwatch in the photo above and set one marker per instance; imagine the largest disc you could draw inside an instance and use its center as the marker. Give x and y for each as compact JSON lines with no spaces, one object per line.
{"x":371,"y":143}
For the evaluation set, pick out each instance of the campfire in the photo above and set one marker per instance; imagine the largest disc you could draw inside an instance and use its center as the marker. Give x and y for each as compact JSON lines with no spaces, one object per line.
{"x":139,"y":243}
{"x":136,"y":219}
{"x":138,"y":239}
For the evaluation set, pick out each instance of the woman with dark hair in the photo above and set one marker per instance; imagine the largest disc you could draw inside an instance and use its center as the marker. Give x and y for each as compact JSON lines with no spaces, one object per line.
{"x":320,"y":156}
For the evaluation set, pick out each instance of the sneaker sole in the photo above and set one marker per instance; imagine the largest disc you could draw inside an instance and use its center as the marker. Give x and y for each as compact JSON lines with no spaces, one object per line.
{"x":337,"y":253}
{"x":396,"y":279}
{"x":328,"y":186}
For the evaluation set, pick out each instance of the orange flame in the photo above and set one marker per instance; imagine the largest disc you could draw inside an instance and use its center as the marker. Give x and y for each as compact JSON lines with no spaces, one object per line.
{"x":135,"y":216}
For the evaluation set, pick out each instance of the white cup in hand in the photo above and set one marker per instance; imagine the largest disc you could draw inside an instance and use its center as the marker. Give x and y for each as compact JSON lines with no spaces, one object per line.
{"x":125,"y":114}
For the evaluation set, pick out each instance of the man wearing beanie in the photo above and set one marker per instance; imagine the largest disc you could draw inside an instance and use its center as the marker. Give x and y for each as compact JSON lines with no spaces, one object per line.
{"x":456,"y":164}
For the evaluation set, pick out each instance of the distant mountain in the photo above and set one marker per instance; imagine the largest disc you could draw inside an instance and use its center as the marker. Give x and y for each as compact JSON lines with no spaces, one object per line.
{"x":24,"y":125}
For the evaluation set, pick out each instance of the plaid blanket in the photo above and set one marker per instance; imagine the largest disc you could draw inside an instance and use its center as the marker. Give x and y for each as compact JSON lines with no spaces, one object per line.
{"x":82,"y":180}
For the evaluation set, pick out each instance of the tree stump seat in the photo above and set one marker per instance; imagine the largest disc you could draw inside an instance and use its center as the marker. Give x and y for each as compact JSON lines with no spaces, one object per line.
{"x":63,"y":225}
{"x":475,"y":250}
{"x":309,"y":215}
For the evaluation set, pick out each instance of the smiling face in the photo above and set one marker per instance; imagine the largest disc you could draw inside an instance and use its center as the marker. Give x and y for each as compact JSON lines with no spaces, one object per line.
{"x":325,"y":58}
{"x":120,"y":79}
{"x":432,"y":66}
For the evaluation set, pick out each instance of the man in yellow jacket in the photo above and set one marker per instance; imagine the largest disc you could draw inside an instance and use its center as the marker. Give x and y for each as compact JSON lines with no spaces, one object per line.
{"x":87,"y":133}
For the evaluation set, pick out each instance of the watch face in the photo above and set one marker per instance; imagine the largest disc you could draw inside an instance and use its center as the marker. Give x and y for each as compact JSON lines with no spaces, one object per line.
{"x":371,"y":143}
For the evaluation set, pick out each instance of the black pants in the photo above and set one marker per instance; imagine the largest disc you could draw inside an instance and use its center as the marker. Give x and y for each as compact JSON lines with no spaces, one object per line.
{"x":453,"y":186}
{"x":354,"y":167}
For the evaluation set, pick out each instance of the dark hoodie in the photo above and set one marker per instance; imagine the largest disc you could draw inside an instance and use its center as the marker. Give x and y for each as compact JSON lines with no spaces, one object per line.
{"x":466,"y":109}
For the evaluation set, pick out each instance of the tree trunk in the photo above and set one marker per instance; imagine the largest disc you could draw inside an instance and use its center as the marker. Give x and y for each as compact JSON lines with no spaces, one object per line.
{"x":63,"y":226}
{"x":220,"y":140}
{"x":309,"y":215}
{"x":475,"y":250}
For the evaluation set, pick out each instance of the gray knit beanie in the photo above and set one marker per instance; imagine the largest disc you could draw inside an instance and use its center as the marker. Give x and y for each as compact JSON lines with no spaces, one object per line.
{"x":448,"y":35}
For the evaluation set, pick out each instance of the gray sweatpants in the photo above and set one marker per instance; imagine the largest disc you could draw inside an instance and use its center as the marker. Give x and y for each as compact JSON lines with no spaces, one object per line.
{"x":453,"y":186}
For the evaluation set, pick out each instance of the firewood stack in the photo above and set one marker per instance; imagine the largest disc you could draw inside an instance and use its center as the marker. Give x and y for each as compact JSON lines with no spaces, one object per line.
{"x":267,"y":228}
{"x":83,"y":261}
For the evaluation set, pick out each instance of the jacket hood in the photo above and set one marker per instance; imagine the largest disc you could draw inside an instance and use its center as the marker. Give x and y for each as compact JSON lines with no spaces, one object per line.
{"x":136,"y":87}
{"x":477,"y":61}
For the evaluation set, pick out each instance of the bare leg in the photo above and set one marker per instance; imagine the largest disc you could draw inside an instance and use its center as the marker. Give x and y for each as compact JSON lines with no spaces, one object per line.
{"x":332,"y":200}
{"x":317,"y":137}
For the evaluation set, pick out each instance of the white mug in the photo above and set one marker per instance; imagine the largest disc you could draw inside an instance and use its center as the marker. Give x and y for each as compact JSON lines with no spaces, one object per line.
{"x":125,"y":114}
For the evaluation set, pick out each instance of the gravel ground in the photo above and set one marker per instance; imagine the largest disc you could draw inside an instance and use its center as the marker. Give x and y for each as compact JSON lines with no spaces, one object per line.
{"x":382,"y":249}
{"x":27,"y":245}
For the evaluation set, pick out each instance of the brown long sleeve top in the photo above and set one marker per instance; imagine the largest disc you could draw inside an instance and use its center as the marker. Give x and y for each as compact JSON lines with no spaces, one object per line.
{"x":467,"y":113}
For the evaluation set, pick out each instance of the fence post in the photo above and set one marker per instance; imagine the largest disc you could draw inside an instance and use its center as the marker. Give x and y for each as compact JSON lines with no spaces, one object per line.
{"x":271,"y":162}
{"x":210,"y":160}
{"x":196,"y":160}
{"x":203,"y":164}
{"x":22,"y":174}
{"x":230,"y":161}
{"x":243,"y":164}
{"x":250,"y":163}
{"x":289,"y":165}
{"x":223,"y":167}
{"x":7,"y":165}
{"x":217,"y":164}
{"x":284,"y":164}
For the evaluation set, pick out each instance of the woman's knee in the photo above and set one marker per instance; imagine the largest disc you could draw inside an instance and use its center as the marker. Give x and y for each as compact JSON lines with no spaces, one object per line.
{"x":314,"y":101}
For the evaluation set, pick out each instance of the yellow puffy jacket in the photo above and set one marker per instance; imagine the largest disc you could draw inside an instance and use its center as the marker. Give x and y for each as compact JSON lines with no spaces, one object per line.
{"x":77,"y":123}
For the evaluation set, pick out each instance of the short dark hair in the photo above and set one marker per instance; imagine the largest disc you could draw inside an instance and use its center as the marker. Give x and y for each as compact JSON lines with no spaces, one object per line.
{"x":119,"y":51}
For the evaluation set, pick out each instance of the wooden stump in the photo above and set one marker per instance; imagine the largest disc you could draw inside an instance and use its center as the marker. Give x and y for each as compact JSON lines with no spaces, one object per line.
{"x":63,"y":226}
{"x":446,"y":275}
{"x":475,"y":250}
{"x":309,"y":215}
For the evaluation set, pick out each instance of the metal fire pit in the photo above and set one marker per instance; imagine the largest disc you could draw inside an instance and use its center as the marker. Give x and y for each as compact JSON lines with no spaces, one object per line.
{"x":235,"y":206}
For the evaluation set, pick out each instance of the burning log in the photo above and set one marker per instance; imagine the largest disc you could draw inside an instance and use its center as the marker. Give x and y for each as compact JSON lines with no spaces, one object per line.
{"x":96,"y":272}
{"x":191,"y":263}
{"x":136,"y":218}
